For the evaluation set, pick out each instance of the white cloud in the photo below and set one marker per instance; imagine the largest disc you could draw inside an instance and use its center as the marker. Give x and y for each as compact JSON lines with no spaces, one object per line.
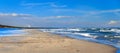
{"x":35,"y":4}
{"x":58,"y":17}
{"x":101,"y":13}
{"x":64,"y":16}
{"x":88,"y":13}
{"x":105,"y":11}
{"x":14,"y":15}
{"x":49,"y":4}
{"x":57,"y":6}
{"x":113,"y":22}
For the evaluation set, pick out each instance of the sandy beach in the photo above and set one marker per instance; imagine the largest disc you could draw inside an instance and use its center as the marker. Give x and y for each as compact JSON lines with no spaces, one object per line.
{"x":42,"y":42}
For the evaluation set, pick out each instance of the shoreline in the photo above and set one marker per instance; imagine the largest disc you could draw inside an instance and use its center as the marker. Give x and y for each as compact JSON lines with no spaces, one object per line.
{"x":42,"y":42}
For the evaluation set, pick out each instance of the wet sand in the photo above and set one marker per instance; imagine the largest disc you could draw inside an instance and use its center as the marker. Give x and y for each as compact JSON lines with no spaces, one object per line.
{"x":41,"y":42}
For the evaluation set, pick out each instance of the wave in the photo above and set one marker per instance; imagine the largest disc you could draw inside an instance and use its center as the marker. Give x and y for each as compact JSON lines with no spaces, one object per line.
{"x":111,"y":30}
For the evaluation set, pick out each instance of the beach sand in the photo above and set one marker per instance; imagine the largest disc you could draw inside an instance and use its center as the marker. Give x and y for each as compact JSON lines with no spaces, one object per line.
{"x":41,"y":42}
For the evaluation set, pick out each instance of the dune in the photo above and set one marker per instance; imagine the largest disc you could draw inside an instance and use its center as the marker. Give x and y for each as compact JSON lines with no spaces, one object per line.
{"x":42,"y":42}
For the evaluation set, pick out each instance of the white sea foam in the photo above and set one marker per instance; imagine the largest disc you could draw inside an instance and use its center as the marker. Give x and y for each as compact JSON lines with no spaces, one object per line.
{"x":73,"y":29}
{"x":115,"y":30}
{"x":62,"y":30}
{"x":102,"y":30}
{"x":111,"y":30}
{"x":86,"y":35}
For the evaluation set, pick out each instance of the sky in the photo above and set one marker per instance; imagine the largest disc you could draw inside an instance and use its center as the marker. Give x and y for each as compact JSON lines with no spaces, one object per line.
{"x":60,"y":13}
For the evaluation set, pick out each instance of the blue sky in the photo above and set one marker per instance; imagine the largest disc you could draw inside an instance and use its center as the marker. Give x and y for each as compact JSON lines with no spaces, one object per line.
{"x":60,"y":13}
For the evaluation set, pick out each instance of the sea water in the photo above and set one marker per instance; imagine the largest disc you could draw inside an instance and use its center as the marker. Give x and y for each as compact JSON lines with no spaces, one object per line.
{"x":10,"y":31}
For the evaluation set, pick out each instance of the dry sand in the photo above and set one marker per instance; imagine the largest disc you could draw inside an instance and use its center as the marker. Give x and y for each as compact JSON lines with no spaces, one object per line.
{"x":41,"y":42}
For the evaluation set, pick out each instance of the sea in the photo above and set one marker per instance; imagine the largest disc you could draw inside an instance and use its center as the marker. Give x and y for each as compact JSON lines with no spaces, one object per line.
{"x":10,"y":31}
{"x":108,"y":36}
